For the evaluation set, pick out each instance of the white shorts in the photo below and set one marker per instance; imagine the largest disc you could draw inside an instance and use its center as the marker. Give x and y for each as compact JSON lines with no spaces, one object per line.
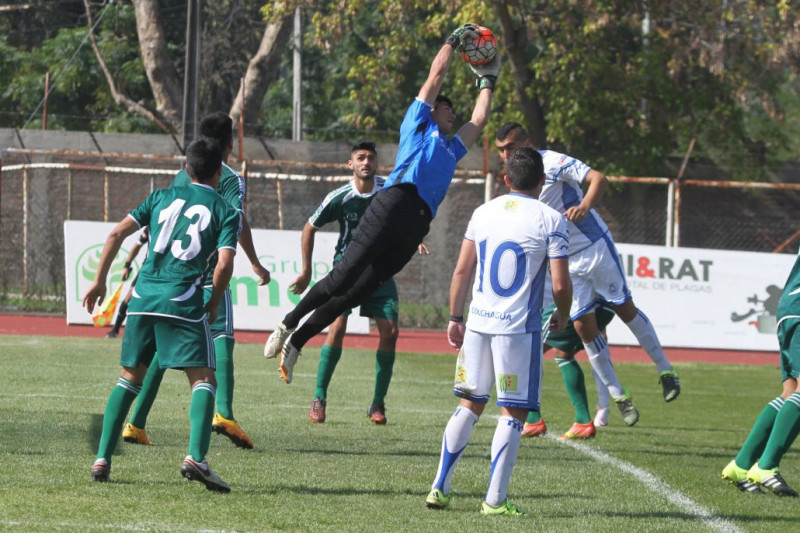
{"x":597,"y":278}
{"x":515,"y":360}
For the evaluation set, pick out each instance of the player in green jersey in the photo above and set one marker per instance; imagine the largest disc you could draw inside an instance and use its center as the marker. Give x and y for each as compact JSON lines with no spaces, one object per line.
{"x":346,"y":205}
{"x":191,"y":230}
{"x":231,"y":187}
{"x":758,"y":462}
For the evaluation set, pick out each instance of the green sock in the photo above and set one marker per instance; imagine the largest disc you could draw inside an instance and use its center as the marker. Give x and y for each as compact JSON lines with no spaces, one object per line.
{"x":384,"y":366}
{"x":223,"y":347}
{"x":787,"y":425}
{"x":152,"y":381}
{"x":533,"y":417}
{"x":753,"y":447}
{"x":328,"y":359}
{"x":201,"y":412}
{"x":119,"y":402}
{"x":574,"y":382}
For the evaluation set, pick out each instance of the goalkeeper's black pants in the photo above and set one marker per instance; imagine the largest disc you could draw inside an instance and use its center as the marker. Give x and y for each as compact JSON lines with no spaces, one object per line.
{"x":385,"y":240}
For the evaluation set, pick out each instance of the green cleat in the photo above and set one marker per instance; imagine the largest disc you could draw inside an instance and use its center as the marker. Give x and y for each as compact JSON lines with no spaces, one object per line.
{"x":770,"y":479}
{"x":505,"y":508}
{"x":630,"y":415}
{"x":670,"y":384}
{"x":438,"y":500}
{"x":738,"y":477}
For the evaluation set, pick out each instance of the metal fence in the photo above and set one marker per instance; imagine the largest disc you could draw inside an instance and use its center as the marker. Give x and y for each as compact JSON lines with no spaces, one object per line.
{"x":40,"y":189}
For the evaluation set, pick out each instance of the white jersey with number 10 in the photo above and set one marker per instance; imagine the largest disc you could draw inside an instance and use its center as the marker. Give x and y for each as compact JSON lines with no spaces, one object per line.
{"x":515,"y":236}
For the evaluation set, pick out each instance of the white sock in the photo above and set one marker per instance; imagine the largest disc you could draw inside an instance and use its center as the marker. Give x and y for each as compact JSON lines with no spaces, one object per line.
{"x":456,"y":437}
{"x":603,"y":397}
{"x":641,"y":327}
{"x":600,"y":358}
{"x":505,"y":448}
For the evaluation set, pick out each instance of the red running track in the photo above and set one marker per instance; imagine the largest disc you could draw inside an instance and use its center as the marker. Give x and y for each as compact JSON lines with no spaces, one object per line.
{"x":410,"y":340}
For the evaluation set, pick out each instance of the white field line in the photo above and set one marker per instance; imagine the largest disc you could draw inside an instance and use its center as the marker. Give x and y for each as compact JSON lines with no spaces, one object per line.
{"x":80,"y":526}
{"x":656,"y":485}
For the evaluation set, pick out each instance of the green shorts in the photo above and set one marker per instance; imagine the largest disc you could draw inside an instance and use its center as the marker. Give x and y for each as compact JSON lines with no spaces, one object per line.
{"x":383,"y":303}
{"x":223,"y":325}
{"x":180,"y":344}
{"x":789,"y":341}
{"x":568,"y":340}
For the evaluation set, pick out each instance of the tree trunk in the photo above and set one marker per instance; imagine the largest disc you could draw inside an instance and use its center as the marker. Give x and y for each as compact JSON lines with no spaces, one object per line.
{"x":160,"y":69}
{"x":262,"y":71}
{"x":516,"y":41}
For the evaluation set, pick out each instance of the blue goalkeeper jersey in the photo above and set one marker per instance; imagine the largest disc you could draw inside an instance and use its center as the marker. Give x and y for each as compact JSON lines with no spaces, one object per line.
{"x":425,"y":157}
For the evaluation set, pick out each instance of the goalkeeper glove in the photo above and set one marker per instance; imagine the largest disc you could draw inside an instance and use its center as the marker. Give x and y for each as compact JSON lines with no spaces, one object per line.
{"x":461,"y":33}
{"x":487,"y":73}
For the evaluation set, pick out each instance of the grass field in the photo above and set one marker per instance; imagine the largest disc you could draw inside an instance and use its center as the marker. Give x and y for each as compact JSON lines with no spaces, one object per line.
{"x":349,"y":475}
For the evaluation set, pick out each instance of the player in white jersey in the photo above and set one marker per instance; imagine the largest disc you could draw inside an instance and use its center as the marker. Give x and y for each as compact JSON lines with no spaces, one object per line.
{"x":509,"y":243}
{"x":594,"y":266}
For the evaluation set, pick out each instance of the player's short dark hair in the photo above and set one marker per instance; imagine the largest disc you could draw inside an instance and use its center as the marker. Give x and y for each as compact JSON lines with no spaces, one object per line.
{"x":218,"y":126}
{"x":203,"y":158}
{"x":509,"y":128}
{"x":364,"y":145}
{"x":525,"y":169}
{"x":442,"y":100}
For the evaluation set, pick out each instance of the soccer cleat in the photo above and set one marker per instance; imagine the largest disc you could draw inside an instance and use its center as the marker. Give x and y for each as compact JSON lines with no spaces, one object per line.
{"x":536,"y":429}
{"x":135,"y":435}
{"x":194,"y":471}
{"x":601,"y":416}
{"x":438,"y":500}
{"x":100,"y":471}
{"x":377,"y":413}
{"x":276,"y":341}
{"x":505,"y":508}
{"x":289,"y":355}
{"x":317,"y":412}
{"x":671,"y":384}
{"x":625,"y":405}
{"x":231,"y":429}
{"x":738,"y":477}
{"x":771,"y":480}
{"x":112,"y":334}
{"x":580,"y":431}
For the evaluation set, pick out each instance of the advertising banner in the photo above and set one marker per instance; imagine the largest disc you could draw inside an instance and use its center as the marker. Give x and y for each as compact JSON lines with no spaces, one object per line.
{"x":254,"y":308}
{"x":699,"y":298}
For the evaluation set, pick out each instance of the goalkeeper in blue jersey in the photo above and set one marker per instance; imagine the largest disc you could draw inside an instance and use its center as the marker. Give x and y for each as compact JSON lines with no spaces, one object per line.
{"x":192,"y":229}
{"x":400,"y":215}
{"x":346,"y":205}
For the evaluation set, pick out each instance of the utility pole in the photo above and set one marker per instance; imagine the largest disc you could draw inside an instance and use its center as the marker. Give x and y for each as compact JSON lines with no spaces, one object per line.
{"x":297,"y":96}
{"x":192,"y":75}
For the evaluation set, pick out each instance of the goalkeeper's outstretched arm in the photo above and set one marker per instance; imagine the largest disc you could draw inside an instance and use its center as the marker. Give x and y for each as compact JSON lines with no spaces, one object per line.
{"x":441,"y":64}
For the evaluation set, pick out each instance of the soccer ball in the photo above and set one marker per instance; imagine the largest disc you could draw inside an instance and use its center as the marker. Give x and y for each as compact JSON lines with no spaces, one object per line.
{"x":481,"y":49}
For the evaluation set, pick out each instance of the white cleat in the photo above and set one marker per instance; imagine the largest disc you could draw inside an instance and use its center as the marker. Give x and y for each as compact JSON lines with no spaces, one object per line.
{"x":194,"y":471}
{"x":289,"y":356}
{"x":276,"y":341}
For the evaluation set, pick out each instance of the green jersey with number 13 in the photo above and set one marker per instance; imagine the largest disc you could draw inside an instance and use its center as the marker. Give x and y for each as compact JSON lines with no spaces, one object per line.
{"x":187,"y":227}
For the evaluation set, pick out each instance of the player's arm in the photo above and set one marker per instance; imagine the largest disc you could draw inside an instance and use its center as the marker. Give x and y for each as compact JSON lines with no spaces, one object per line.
{"x":596,"y":184}
{"x":459,"y":285}
{"x":562,"y":293}
{"x":307,"y":249}
{"x":126,"y":271}
{"x":97,"y":290}
{"x":441,"y":64}
{"x":222,"y":276}
{"x":487,"y":78}
{"x":470,"y":131}
{"x":246,"y":242}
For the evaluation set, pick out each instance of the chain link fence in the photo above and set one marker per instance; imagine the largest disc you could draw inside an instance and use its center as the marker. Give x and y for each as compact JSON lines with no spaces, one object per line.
{"x":40,"y":189}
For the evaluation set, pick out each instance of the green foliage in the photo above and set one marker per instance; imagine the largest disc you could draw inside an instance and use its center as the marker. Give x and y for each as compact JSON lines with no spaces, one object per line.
{"x":350,"y":475}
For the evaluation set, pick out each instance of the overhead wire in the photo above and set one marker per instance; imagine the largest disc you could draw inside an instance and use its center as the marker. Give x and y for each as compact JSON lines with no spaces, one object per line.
{"x":65,"y":67}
